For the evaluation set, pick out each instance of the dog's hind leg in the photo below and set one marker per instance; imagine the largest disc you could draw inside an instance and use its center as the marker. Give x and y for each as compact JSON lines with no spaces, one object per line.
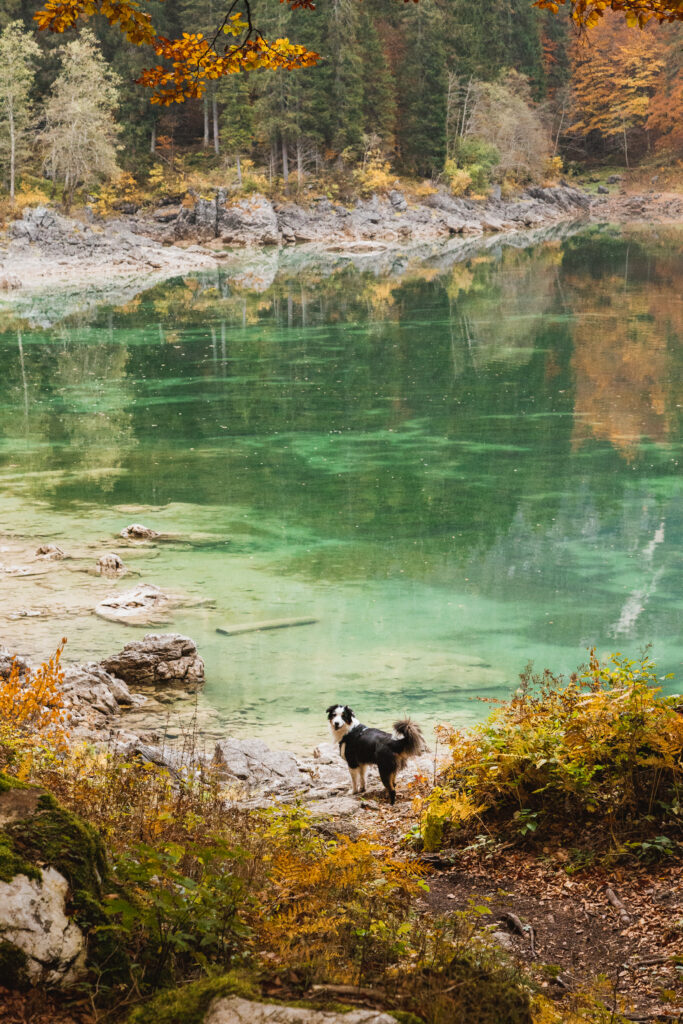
{"x":356,"y":779}
{"x":362,"y":769}
{"x":388,"y":778}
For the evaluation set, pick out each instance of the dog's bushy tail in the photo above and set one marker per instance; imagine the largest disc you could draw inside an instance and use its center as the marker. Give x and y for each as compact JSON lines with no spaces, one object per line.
{"x":409,"y":740}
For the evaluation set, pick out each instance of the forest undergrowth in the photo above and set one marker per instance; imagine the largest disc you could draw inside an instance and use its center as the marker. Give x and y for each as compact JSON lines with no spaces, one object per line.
{"x":200,"y":897}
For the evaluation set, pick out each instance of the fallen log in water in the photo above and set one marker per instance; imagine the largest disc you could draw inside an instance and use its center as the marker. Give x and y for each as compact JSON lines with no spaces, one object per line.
{"x":255,"y":627}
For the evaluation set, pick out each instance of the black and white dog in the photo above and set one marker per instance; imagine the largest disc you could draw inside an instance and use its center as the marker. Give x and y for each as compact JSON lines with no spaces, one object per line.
{"x":361,"y":746}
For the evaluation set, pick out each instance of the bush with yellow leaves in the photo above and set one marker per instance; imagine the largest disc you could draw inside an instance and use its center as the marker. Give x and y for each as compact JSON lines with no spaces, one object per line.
{"x":602,"y":751}
{"x":32,"y":702}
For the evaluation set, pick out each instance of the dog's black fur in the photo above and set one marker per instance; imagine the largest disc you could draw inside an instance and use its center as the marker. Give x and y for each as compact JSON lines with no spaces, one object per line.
{"x":361,"y":746}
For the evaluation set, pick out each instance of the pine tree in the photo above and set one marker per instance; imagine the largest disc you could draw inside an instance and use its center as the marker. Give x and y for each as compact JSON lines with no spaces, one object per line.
{"x":422,"y":92}
{"x":80,"y":133}
{"x":237,"y":126}
{"x":18,"y":56}
{"x":379,"y":103}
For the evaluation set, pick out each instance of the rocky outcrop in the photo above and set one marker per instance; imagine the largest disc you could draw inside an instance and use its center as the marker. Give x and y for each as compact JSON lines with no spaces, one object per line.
{"x":45,"y":246}
{"x":235,"y":1010}
{"x":52,"y":866}
{"x":260,"y":776}
{"x":255,"y":221}
{"x":159,"y":660}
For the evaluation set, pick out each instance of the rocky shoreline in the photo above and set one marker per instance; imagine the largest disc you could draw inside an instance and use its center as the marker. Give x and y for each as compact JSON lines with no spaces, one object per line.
{"x":186,"y":234}
{"x":100,"y":696}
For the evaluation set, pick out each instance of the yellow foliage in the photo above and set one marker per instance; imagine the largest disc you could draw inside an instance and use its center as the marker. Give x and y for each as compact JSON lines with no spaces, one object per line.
{"x":604,"y":743}
{"x":32,"y":705}
{"x":459,"y":180}
{"x":374,"y":175}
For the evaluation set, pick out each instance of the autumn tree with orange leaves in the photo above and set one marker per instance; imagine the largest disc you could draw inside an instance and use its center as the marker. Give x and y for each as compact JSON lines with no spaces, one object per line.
{"x":615,"y":74}
{"x":193,"y":60}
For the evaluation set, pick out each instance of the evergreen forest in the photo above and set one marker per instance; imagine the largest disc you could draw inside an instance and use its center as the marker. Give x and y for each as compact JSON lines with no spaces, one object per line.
{"x":466,"y":93}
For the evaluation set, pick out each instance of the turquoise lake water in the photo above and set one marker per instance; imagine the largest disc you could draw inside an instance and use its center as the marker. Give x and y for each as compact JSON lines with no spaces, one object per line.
{"x":456,"y":465}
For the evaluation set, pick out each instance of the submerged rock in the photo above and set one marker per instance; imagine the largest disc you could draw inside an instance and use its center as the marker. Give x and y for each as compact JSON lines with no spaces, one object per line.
{"x":50,"y":551}
{"x":110,"y":564}
{"x":144,"y":604}
{"x":138,"y":532}
{"x":159,"y":660}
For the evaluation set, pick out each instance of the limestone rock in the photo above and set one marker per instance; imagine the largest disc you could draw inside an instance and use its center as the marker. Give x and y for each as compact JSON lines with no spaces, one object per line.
{"x":48,"y":856}
{"x":50,"y":551}
{"x":159,"y":660}
{"x":33,"y":918}
{"x":110,"y":564}
{"x":138,"y":532}
{"x":8,"y":282}
{"x":90,"y":684}
{"x":252,"y":762}
{"x":235,"y":1010}
{"x":251,"y":221}
{"x":144,"y":604}
{"x":7,"y":659}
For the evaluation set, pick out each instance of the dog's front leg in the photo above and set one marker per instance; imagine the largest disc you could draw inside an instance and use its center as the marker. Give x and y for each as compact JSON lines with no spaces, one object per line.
{"x":355,"y":779}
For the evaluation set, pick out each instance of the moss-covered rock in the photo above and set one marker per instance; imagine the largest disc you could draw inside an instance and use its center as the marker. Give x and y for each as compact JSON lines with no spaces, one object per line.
{"x":189,"y":1004}
{"x":52,"y":870}
{"x":231,"y":997}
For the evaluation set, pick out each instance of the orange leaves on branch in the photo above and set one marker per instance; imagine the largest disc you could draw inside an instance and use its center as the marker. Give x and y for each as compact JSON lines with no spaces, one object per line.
{"x":587,"y":13}
{"x":192,"y":60}
{"x":33,"y":703}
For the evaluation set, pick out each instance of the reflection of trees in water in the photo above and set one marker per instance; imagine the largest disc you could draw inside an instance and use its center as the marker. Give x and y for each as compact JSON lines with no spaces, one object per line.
{"x":74,"y":419}
{"x":426,"y":410}
{"x":627,"y":383}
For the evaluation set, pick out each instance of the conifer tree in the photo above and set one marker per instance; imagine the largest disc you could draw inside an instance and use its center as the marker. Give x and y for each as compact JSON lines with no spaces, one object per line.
{"x":422,"y":92}
{"x":236,"y":119}
{"x":19,"y":53}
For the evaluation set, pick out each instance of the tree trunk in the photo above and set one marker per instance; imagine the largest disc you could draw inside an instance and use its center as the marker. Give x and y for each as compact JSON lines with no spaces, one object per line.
{"x":153,"y":140}
{"x":239,"y":170}
{"x":285,"y":162}
{"x":625,"y":144}
{"x":12,"y":150}
{"x":299,"y":163}
{"x":216,"y":140}
{"x":205,"y":143}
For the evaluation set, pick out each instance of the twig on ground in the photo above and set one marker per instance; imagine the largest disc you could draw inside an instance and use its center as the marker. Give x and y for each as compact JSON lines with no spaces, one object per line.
{"x":618,"y":906}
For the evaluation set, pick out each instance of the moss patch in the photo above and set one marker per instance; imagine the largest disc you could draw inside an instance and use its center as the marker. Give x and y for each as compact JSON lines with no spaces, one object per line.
{"x":13,"y":967}
{"x":475,"y":993}
{"x":12,"y":863}
{"x":7,"y":782}
{"x":188,"y":1005}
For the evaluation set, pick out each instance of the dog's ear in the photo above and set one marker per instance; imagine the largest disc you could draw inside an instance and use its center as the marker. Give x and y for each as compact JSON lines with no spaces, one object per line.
{"x":331,"y":710}
{"x":347,"y":714}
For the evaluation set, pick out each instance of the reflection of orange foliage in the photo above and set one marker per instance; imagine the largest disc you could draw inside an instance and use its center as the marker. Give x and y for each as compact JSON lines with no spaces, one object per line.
{"x":622,"y":366}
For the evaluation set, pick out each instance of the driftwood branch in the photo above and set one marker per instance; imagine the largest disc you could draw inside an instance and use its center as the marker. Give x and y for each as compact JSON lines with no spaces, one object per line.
{"x":618,"y":906}
{"x":255,"y":627}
